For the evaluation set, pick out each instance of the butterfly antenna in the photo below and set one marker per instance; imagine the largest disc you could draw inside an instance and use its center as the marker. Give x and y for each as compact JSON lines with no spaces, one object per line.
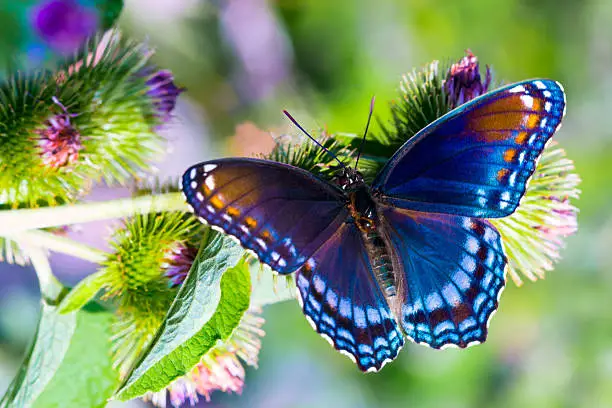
{"x":366,"y":131}
{"x":312,"y":138}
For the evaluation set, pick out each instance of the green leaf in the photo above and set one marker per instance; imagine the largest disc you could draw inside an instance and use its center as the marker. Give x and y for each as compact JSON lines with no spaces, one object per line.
{"x":69,"y":364}
{"x":82,"y":293}
{"x":208,"y":307}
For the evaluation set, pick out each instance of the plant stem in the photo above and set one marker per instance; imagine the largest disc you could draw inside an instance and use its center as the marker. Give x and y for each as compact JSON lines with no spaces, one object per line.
{"x":57,"y":243}
{"x":13,"y":221}
{"x":50,"y":287}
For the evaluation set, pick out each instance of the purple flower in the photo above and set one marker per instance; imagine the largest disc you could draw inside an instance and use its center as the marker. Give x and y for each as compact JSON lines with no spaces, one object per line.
{"x":63,"y":24}
{"x":59,"y":141}
{"x":463,"y":82}
{"x":178,"y":263}
{"x":164,"y":92}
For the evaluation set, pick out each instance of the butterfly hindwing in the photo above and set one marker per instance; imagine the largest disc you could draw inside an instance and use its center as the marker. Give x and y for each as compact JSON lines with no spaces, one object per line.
{"x":280,"y":212}
{"x":476,"y":160}
{"x":341,"y":298}
{"x":453,"y":275}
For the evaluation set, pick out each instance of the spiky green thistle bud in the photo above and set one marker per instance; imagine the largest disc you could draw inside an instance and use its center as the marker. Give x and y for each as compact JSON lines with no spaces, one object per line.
{"x":93,"y":119}
{"x":135,"y":277}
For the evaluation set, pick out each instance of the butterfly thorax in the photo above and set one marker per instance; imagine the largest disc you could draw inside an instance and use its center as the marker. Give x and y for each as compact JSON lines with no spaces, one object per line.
{"x":363,"y":212}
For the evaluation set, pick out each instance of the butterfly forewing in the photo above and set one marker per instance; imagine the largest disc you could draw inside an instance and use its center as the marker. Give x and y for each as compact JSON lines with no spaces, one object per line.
{"x":451,"y":275}
{"x":280,"y":212}
{"x":476,"y":160}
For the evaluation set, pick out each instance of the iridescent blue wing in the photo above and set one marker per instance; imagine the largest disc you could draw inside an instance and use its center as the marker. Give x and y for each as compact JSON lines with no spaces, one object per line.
{"x":343,"y":302}
{"x":476,"y":160}
{"x":453,"y":275}
{"x":280,"y":212}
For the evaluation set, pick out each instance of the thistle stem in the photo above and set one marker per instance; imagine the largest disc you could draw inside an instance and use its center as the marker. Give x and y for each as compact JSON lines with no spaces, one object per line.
{"x":14,"y":221}
{"x":50,"y":287}
{"x":57,"y":243}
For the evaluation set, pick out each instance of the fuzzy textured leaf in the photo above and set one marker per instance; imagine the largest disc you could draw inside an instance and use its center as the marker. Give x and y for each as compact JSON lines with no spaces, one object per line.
{"x":208,"y":307}
{"x":69,"y":364}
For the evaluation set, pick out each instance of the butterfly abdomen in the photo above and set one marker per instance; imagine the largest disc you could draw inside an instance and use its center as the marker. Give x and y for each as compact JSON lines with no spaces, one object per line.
{"x":363,"y":211}
{"x":381,"y":261}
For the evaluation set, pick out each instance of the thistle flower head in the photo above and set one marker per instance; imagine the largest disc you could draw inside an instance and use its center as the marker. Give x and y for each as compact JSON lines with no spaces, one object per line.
{"x":64,"y":24}
{"x":163,"y":92}
{"x":108,"y":133}
{"x":535,"y":233}
{"x":463,"y":81}
{"x":309,"y":156}
{"x":178,"y":262}
{"x":59,"y":141}
{"x":220,"y":369}
{"x":135,"y":277}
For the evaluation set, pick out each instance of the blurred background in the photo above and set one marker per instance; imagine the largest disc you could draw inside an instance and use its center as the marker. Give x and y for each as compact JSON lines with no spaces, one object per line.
{"x":243,"y":61}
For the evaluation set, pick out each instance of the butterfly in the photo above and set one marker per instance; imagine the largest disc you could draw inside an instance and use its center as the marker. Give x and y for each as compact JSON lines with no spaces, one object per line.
{"x":410,"y":256}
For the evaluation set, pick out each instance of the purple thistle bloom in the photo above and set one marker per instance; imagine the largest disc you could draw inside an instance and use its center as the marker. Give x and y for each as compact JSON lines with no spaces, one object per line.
{"x":64,"y":24}
{"x":164,"y":92}
{"x":59,"y":141}
{"x":179,"y":262}
{"x":463,"y":82}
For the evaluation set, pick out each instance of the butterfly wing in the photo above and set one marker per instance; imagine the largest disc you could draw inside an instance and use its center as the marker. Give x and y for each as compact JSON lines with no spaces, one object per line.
{"x":453,"y":275}
{"x":343,"y":302}
{"x":280,"y":212}
{"x":476,"y":160}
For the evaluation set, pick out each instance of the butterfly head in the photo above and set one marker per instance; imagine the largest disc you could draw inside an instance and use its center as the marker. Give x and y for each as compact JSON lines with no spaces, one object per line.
{"x":348,"y":179}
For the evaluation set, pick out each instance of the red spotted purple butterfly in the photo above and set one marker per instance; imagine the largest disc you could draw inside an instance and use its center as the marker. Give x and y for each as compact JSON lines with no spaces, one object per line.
{"x":412,"y":255}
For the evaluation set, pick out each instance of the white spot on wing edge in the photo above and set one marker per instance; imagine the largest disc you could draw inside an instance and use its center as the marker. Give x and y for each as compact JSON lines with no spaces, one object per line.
{"x":209,"y":167}
{"x":518,"y":88}
{"x":193,"y":173}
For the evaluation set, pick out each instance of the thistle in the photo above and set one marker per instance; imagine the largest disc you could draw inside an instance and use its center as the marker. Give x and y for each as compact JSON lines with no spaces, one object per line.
{"x":136,"y":277}
{"x":463,"y":81}
{"x":59,"y":141}
{"x":309,"y":156}
{"x":536,"y":232}
{"x":97,"y":123}
{"x":163,"y":93}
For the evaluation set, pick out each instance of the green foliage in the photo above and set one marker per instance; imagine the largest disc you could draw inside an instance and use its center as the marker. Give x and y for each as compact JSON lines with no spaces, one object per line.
{"x":208,"y":307}
{"x":69,"y":364}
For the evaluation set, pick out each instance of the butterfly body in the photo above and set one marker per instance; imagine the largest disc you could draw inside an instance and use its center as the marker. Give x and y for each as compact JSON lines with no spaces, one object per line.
{"x":410,"y":256}
{"x":363,"y":212}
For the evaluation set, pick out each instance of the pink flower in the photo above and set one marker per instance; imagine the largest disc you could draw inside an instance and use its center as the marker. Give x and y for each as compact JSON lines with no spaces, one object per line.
{"x":59,"y":141}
